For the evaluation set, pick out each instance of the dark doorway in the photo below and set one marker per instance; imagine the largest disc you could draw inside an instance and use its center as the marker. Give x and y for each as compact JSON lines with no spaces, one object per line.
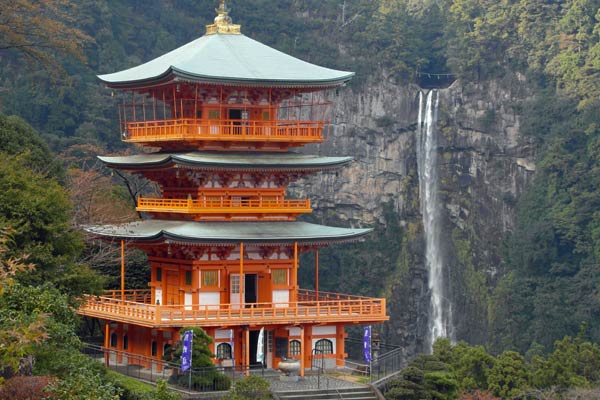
{"x":250,"y":283}
{"x":254,"y":347}
{"x":235,"y":114}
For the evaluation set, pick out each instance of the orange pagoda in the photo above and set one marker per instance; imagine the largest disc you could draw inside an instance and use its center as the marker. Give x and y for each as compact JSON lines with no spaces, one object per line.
{"x":222,"y":239}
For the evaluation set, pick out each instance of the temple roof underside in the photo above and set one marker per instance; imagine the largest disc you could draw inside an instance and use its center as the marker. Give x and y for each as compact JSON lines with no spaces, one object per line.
{"x":228,"y":233}
{"x":228,"y":60}
{"x":227,"y":161}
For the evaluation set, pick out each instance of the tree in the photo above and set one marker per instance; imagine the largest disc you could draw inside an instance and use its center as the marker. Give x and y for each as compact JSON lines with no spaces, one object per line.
{"x":206,"y":375}
{"x":426,"y":377}
{"x":508,"y":377}
{"x":471,"y":364}
{"x":39,"y":29}
{"x":17,"y":137}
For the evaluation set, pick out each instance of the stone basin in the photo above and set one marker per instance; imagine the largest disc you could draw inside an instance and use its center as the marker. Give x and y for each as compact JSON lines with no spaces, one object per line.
{"x":290,"y":366}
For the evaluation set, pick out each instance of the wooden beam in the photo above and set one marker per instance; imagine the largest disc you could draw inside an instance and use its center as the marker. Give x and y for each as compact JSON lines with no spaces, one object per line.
{"x":302,"y":346}
{"x":106,"y":343}
{"x":294,"y":277}
{"x":122,"y":270}
{"x":317,"y":273}
{"x":247,"y":351}
{"x":241,"y":274}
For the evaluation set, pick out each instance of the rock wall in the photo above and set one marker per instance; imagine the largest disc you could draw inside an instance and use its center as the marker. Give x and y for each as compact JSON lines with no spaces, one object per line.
{"x":485,"y":165}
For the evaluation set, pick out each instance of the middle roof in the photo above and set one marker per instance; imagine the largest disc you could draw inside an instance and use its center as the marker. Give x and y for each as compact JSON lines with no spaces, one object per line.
{"x":228,"y":160}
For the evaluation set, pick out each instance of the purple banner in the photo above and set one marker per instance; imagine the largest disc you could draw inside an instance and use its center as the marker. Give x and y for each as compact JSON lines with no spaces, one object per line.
{"x":186,"y":351}
{"x":367,"y":344}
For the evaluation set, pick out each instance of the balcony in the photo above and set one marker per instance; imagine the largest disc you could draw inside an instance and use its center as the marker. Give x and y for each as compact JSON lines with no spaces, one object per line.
{"x":135,"y":307}
{"x":198,"y":130}
{"x":212,"y":208}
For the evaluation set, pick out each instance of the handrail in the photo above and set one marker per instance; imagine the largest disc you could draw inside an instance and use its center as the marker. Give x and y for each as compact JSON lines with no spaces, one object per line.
{"x":239,"y":130}
{"x":357,"y":309}
{"x":311,"y":295}
{"x":220,"y":205}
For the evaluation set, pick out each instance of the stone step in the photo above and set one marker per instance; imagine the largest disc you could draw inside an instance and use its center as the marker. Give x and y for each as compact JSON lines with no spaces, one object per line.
{"x":331,"y":394}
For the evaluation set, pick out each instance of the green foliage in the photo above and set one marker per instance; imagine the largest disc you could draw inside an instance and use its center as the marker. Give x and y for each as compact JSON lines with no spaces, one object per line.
{"x":18,"y":137}
{"x":426,"y":377}
{"x":508,"y":376}
{"x":206,"y":374}
{"x":37,"y":209}
{"x":250,"y":388}
{"x":131,"y":389}
{"x":471,"y":365}
{"x":551,"y":258}
{"x":83,"y":384}
{"x":162,"y":392}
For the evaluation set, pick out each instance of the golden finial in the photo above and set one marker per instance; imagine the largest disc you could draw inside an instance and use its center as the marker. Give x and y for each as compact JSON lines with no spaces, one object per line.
{"x":223,"y":22}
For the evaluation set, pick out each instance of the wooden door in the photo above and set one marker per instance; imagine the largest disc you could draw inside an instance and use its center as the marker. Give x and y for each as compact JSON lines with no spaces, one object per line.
{"x":172,"y":288}
{"x":234,"y":291}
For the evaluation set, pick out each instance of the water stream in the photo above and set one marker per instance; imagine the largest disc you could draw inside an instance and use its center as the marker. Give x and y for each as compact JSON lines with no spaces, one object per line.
{"x":440,"y":312}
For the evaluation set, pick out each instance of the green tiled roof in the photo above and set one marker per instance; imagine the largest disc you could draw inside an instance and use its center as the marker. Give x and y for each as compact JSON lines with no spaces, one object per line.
{"x":229,"y":59}
{"x":227,"y":232}
{"x":228,"y":160}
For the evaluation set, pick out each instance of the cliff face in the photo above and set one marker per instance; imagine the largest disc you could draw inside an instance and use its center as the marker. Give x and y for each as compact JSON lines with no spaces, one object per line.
{"x":484,"y":166}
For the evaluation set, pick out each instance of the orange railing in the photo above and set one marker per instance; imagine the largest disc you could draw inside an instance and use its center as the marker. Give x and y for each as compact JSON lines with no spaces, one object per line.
{"x":223,"y":205}
{"x":235,"y":130}
{"x":311,"y":309}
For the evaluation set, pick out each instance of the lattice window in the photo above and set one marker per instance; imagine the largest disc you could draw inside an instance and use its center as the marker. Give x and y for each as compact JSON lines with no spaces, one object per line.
{"x":224,"y":351}
{"x":295,"y":347}
{"x":210,"y":278}
{"x":324,"y":346}
{"x":279,"y":276}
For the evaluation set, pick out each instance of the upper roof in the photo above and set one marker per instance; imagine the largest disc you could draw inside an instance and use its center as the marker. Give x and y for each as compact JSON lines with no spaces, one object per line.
{"x":227,"y":232}
{"x":228,"y":59}
{"x":228,"y":160}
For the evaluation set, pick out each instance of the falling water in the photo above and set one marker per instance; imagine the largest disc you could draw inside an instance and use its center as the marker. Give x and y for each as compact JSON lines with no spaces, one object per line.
{"x":440,"y":309}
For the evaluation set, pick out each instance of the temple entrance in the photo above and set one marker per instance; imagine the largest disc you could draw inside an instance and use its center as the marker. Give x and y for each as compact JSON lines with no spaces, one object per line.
{"x":254,"y":349}
{"x":249,"y":294}
{"x":172,"y":288}
{"x":250,"y":288}
{"x":236,"y":115}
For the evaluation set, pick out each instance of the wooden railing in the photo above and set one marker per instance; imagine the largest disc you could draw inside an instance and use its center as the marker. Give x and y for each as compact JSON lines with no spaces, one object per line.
{"x":224,"y":205}
{"x":232,"y":130}
{"x":345,"y":308}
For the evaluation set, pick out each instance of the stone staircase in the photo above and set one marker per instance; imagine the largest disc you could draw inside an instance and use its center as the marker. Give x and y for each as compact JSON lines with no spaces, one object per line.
{"x":356,"y":393}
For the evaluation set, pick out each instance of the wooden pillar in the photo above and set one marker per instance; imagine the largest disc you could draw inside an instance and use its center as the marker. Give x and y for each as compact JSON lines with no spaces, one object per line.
{"x":294,"y":277}
{"x":247,"y":351}
{"x":302,"y":352}
{"x":241,"y":274}
{"x":339,"y":345}
{"x":317,"y":273}
{"x":122,"y":270}
{"x":106,"y":344}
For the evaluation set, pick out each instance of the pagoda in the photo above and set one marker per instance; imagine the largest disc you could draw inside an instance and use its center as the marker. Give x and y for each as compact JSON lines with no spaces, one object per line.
{"x":218,"y":117}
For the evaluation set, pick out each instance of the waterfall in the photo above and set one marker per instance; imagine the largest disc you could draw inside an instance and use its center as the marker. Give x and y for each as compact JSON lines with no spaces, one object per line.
{"x":440,"y":308}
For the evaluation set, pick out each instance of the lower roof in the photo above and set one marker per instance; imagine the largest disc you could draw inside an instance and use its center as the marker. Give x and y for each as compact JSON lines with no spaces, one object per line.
{"x":288,"y":161}
{"x":193,"y":232}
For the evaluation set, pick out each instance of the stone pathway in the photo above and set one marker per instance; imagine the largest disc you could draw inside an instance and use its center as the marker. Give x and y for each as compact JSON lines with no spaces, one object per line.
{"x":312,"y":382}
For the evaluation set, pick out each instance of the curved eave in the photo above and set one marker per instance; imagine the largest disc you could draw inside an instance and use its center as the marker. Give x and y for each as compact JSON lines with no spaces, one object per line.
{"x":224,"y":161}
{"x":175,"y":75}
{"x":227,"y":233}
